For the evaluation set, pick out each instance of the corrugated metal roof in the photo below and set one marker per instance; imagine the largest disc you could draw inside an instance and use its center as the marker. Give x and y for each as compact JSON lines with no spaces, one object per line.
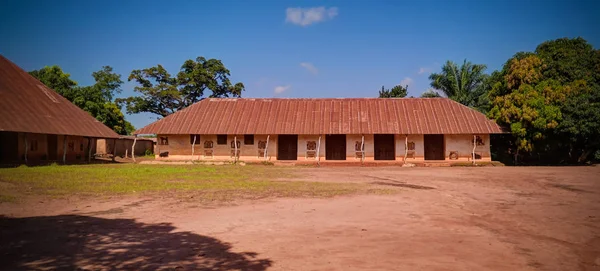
{"x":27,"y":105}
{"x":324,"y":116}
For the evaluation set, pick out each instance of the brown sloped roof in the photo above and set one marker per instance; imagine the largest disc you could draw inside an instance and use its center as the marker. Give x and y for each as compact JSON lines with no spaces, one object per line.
{"x":324,"y":116}
{"x":27,"y":105}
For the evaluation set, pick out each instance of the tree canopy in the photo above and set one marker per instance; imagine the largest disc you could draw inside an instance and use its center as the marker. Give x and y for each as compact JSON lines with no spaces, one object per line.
{"x":396,"y":92}
{"x":164,"y":94}
{"x":464,"y":84}
{"x":96,"y":99}
{"x":550,"y":99}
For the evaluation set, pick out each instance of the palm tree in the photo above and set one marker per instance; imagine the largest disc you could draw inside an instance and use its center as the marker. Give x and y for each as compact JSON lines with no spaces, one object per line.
{"x":464,"y":84}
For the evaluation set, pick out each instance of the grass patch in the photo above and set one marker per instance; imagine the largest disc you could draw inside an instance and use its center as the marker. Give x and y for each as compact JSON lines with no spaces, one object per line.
{"x":210,"y":182}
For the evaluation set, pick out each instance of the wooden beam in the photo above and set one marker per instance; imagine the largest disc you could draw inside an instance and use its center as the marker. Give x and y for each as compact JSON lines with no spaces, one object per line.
{"x":474,"y":146}
{"x":89,"y":149}
{"x":235,"y":155}
{"x":193,"y":145}
{"x":266,"y":147}
{"x":26,"y":147}
{"x":114,"y":151}
{"x":64,"y":149}
{"x":405,"y":148}
{"x":319,"y":151}
{"x":133,"y":148}
{"x":362,"y":149}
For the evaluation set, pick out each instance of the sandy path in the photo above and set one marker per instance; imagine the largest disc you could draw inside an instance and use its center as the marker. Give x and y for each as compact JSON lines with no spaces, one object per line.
{"x":443,"y":219}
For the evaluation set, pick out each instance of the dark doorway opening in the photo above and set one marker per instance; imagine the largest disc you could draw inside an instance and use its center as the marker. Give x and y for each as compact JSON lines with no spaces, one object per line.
{"x":287,"y":147}
{"x":434,"y":147}
{"x":335,"y":147}
{"x":52,"y":147}
{"x":384,"y":147}
{"x":9,"y":143}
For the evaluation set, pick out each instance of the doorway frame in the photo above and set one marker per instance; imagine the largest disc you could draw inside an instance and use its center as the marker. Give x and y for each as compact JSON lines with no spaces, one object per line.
{"x":345,"y":145}
{"x":443,"y":154}
{"x":279,"y":146}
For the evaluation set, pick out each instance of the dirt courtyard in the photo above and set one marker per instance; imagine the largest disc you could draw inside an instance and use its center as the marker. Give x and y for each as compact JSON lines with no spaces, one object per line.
{"x":491,"y":218}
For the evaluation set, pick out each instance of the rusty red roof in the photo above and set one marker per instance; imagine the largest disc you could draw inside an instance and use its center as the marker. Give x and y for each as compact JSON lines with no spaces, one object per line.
{"x":324,"y":116}
{"x":27,"y":105}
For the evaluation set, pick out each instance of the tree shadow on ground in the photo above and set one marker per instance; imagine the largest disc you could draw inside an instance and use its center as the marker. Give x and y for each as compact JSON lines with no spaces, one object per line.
{"x":73,"y":242}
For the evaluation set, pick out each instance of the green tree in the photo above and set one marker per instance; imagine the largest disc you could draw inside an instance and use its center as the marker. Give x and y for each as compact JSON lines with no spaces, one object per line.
{"x":164,"y":94}
{"x":95,"y":99}
{"x":396,"y":92}
{"x":54,"y":78}
{"x":464,"y":84}
{"x":430,"y":94}
{"x":550,"y":99}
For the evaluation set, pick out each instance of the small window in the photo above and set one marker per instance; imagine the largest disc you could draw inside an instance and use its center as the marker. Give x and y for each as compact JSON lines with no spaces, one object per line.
{"x":248,"y":139}
{"x":80,"y":146}
{"x":411,"y":146}
{"x":221,"y":139}
{"x":164,"y":141}
{"x":71,"y":146}
{"x":194,"y":139}
{"x":33,"y":145}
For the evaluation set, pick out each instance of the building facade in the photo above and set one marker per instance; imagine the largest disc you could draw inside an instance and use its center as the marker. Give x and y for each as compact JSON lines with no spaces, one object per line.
{"x":411,"y":129}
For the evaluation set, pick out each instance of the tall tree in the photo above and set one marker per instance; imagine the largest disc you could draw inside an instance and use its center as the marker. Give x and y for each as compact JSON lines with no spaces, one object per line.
{"x":164,"y":94}
{"x":396,"y":92}
{"x":96,"y":99}
{"x":550,"y":99}
{"x":464,"y":84}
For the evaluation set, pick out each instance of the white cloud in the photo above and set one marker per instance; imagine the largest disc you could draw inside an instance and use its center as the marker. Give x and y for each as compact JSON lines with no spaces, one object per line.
{"x":309,"y":67}
{"x":424,"y":70}
{"x":281,"y":89}
{"x":308,"y":16}
{"x":407,"y":81}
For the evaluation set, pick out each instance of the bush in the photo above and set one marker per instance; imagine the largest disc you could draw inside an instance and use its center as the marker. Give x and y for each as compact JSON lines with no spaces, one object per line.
{"x":149,"y":153}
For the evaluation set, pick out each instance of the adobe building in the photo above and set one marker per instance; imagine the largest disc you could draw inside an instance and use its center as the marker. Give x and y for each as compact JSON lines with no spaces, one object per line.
{"x":124,"y":146}
{"x":37,"y":125}
{"x":314,"y":130}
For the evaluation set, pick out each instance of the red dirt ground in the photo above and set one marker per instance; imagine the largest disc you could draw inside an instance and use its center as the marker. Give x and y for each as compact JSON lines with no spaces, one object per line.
{"x":496,"y":218}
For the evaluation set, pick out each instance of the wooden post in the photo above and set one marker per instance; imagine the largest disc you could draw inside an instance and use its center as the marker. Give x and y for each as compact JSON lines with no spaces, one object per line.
{"x":267,"y":146}
{"x":114,"y":151}
{"x":193,"y":144}
{"x":362,"y":149}
{"x":133,"y":148}
{"x":235,"y":149}
{"x":405,"y":148}
{"x":26,"y":147}
{"x":474,"y":146}
{"x":89,"y":149}
{"x":64,"y":149}
{"x":318,"y":151}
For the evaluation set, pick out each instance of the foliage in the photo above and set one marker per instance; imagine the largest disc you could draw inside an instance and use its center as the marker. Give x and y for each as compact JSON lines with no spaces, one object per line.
{"x":164,"y":94}
{"x":430,"y":94}
{"x":54,"y":78}
{"x":95,"y":99}
{"x":464,"y":84}
{"x":550,"y":99}
{"x":396,"y":92}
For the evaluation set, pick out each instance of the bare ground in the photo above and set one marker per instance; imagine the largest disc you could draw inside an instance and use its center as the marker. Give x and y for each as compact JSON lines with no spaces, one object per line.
{"x":497,"y":218}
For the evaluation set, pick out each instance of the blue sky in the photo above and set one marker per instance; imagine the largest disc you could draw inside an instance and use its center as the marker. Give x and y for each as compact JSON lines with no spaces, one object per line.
{"x":287,"y":48}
